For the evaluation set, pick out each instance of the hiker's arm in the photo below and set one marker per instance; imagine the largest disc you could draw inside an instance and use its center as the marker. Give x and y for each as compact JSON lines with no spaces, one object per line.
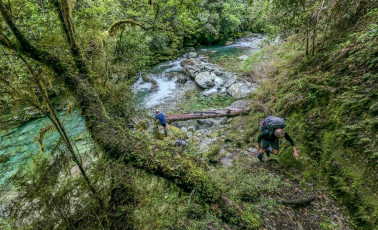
{"x":295,"y":153}
{"x":288,"y":138}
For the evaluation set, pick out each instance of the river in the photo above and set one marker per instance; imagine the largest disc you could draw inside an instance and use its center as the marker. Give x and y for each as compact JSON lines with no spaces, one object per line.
{"x":18,"y":145}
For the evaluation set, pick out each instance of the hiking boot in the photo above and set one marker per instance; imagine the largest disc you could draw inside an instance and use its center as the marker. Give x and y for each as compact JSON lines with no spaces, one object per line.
{"x":259,"y":156}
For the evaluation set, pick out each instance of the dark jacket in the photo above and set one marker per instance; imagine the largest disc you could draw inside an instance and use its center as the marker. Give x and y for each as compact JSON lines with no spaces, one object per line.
{"x":269,"y":136}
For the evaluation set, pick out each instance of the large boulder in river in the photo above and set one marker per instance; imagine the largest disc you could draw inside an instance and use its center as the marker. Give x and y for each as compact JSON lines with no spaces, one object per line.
{"x":177,"y":77}
{"x":241,"y":89}
{"x":192,"y":67}
{"x":206,"y":80}
{"x":192,"y":55}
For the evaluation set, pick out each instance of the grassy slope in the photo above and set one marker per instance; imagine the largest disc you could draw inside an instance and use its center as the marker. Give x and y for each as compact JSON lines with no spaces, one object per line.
{"x":330,"y":101}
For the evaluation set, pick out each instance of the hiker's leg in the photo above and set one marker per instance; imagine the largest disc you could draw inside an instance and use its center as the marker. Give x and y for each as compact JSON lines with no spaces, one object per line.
{"x":275,"y":147}
{"x":165,"y":129}
{"x":275,"y":151}
{"x":264,"y":145}
{"x":268,"y":151}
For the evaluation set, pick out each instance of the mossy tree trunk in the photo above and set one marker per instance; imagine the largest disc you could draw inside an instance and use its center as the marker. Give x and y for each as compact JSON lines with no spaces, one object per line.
{"x":110,"y":136}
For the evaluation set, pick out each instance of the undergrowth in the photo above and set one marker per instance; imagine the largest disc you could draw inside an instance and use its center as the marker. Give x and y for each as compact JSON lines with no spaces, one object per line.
{"x":330,"y":103}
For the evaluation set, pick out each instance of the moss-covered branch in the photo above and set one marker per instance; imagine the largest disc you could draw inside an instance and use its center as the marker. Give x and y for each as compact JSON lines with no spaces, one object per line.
{"x":111,"y":137}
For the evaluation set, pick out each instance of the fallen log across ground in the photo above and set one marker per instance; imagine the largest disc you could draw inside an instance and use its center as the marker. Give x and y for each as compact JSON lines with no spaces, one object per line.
{"x":207,"y":114}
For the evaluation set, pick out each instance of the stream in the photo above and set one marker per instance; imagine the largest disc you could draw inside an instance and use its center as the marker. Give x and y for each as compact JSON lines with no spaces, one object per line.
{"x":162,"y":87}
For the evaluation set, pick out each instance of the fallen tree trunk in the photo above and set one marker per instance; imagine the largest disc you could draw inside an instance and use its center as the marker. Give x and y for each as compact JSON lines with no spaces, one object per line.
{"x":207,"y":114}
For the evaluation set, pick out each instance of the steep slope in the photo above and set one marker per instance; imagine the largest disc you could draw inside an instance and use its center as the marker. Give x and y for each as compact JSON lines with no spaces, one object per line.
{"x":330,"y":102}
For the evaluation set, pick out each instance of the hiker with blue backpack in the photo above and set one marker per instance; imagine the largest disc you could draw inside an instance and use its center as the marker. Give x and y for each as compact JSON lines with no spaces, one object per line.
{"x":268,"y":140}
{"x":162,"y":121}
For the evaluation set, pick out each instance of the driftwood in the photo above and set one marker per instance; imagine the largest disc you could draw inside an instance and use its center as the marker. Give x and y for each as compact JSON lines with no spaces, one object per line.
{"x":207,"y":114}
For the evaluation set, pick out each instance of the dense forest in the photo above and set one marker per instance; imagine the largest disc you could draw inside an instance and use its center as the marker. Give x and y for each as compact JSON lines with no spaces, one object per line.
{"x":81,"y":82}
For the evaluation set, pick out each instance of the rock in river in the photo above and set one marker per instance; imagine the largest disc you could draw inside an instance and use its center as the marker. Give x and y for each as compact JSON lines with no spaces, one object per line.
{"x":206,"y":80}
{"x":192,"y":55}
{"x":240,"y":104}
{"x":241,"y":89}
{"x":192,"y":67}
{"x":177,"y":77}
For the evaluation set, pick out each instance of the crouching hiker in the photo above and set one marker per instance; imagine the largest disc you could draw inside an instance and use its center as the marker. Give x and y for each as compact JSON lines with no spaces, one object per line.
{"x":268,"y":140}
{"x":162,"y":121}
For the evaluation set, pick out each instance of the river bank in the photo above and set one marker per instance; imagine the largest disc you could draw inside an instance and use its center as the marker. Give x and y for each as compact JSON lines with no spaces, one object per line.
{"x":196,"y":81}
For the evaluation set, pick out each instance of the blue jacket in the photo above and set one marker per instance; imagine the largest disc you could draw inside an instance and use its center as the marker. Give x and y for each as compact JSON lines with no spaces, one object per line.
{"x":161,"y":118}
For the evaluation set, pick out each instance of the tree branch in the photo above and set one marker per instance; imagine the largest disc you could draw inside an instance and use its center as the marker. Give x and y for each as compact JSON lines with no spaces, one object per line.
{"x":117,"y":142}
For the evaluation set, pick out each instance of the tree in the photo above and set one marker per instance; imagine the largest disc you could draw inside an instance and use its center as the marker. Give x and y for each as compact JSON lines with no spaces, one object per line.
{"x":108,"y":134}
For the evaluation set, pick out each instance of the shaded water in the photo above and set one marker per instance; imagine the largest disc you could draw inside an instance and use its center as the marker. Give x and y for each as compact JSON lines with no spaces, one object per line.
{"x":244,"y":46}
{"x":20,"y":144}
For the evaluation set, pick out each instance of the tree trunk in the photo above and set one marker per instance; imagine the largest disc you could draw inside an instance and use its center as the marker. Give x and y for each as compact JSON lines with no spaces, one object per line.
{"x":207,"y":114}
{"x":111,"y":137}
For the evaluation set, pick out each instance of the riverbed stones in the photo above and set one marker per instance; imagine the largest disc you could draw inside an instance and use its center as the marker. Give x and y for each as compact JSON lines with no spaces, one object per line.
{"x":204,"y":123}
{"x":229,"y":42}
{"x":75,"y":171}
{"x":192,"y":67}
{"x":177,"y":77}
{"x":209,"y":92}
{"x":217,"y":71}
{"x":231,"y":79}
{"x":227,"y":159}
{"x":191,"y":129}
{"x":206,"y":80}
{"x":192,"y":55}
{"x":243,"y":58}
{"x":241,"y":89}
{"x":240,"y":104}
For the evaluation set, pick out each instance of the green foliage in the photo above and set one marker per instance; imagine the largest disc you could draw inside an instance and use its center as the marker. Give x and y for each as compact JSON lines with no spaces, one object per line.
{"x":253,"y":221}
{"x":328,"y":225}
{"x":329,"y":103}
{"x":194,"y":101}
{"x":213,"y":154}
